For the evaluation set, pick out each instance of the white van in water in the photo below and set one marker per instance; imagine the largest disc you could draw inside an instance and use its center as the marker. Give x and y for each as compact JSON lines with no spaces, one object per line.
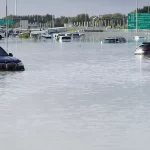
{"x":64,"y":39}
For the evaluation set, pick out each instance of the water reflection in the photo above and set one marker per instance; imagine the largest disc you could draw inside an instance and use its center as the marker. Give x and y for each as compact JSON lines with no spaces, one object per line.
{"x":3,"y":76}
{"x":143,"y":57}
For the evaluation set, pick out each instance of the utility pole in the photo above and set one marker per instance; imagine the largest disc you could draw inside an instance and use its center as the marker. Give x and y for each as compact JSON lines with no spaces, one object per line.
{"x":136,"y":16}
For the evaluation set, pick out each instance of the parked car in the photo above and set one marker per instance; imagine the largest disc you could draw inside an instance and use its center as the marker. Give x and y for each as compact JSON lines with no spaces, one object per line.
{"x":9,"y":63}
{"x":115,"y":40}
{"x":143,"y":49}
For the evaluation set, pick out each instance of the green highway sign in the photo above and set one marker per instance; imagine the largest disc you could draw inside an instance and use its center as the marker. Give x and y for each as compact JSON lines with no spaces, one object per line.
{"x":3,"y":22}
{"x":143,"y":21}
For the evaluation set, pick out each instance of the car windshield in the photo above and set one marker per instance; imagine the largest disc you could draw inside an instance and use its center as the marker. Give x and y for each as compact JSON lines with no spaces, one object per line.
{"x":75,"y":34}
{"x":123,"y":39}
{"x":2,"y":52}
{"x":142,"y":45}
{"x":68,"y":38}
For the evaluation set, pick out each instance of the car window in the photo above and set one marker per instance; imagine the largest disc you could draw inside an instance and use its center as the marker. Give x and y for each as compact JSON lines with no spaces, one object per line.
{"x":75,"y":34}
{"x":66,"y":38}
{"x":120,"y":40}
{"x":2,"y":52}
{"x":123,"y":39}
{"x":145,"y":46}
{"x":109,"y":41}
{"x":142,"y":46}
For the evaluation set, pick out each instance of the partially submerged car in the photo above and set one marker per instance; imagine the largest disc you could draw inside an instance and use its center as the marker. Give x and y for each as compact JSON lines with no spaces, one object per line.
{"x":64,"y":39}
{"x":139,"y":38}
{"x":2,"y":34}
{"x":143,"y":49}
{"x":115,"y":40}
{"x":9,"y":63}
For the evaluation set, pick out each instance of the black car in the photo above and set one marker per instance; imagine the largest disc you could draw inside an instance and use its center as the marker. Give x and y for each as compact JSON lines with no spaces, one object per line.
{"x":143,"y":49}
{"x":9,"y":63}
{"x":115,"y":40}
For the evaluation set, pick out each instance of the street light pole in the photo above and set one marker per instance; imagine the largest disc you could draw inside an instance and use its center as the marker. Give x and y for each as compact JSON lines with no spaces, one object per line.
{"x":136,"y":16}
{"x":6,"y":27}
{"x":93,"y":19}
{"x":15,"y":7}
{"x":53,"y":21}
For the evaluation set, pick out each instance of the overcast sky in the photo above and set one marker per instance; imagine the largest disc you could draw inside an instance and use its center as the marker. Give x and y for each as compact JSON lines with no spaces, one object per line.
{"x":70,"y":7}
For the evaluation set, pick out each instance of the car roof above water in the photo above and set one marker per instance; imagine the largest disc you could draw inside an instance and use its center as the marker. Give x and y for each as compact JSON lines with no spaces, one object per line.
{"x":115,"y":37}
{"x":119,"y":39}
{"x":146,"y":43}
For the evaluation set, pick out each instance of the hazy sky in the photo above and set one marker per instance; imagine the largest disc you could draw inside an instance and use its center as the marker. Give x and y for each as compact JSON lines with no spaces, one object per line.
{"x":70,"y":7}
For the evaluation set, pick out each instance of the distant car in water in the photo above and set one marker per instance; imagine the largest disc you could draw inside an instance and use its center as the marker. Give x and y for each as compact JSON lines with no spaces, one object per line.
{"x":75,"y":35}
{"x":139,"y":38}
{"x":9,"y":63}
{"x":46,"y":36}
{"x":143,"y":49}
{"x":115,"y":40}
{"x":64,"y":39}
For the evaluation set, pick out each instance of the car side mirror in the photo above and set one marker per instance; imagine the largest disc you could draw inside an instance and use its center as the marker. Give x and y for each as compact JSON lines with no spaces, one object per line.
{"x":10,"y":54}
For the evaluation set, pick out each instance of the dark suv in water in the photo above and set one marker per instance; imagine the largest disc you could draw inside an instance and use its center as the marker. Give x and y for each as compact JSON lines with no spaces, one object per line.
{"x":143,"y":49}
{"x":9,"y":63}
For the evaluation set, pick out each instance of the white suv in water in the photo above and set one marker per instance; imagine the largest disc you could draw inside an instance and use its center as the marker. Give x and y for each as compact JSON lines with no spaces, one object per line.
{"x":2,"y":33}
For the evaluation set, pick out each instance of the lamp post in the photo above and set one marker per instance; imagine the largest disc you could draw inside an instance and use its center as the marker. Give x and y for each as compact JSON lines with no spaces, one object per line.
{"x":136,"y":16}
{"x":99,"y":21}
{"x":94,"y":21}
{"x":6,"y":27}
{"x":53,"y":21}
{"x":112,"y":21}
{"x":15,"y":7}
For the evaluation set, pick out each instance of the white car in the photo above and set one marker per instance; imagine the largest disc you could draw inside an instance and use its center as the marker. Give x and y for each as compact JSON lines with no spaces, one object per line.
{"x":65,"y":39}
{"x":2,"y":34}
{"x":139,"y":38}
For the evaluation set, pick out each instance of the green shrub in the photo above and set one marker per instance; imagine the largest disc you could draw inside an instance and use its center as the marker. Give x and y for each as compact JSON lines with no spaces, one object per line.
{"x":24,"y":35}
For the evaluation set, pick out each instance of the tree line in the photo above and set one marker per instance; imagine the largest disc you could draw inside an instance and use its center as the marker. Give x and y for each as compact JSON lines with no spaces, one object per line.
{"x":80,"y":18}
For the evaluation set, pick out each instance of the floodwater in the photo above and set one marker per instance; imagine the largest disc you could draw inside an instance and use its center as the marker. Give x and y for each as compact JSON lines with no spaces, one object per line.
{"x":75,"y":96}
